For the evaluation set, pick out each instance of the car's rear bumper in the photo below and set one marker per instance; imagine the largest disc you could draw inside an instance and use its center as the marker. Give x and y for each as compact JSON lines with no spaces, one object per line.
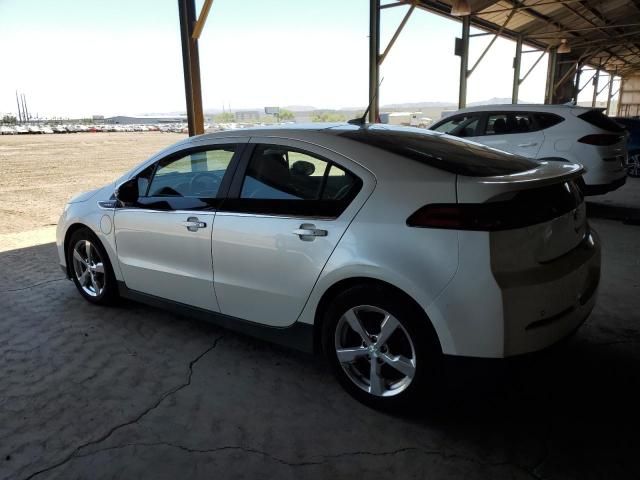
{"x":500,"y":304}
{"x":601,"y":189}
{"x":544,"y":304}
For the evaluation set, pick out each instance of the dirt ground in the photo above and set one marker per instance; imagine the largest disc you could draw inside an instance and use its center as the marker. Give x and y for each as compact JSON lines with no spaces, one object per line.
{"x":41,"y":172}
{"x":91,"y":392}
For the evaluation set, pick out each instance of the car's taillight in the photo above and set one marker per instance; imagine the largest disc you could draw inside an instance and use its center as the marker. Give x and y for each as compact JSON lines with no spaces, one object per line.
{"x":527,"y":207}
{"x":601,"y":140}
{"x":484,"y":217}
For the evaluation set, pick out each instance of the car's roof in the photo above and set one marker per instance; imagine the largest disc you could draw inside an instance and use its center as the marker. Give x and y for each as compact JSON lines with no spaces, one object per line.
{"x":523,"y":106}
{"x":271,"y":130}
{"x":299,"y":130}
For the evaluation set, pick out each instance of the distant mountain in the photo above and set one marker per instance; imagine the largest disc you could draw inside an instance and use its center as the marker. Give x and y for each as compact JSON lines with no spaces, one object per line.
{"x":416,"y":105}
{"x":495,"y":101}
{"x":406,"y":107}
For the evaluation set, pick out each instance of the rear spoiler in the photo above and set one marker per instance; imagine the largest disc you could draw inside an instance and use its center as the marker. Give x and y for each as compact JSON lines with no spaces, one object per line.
{"x":480,"y":189}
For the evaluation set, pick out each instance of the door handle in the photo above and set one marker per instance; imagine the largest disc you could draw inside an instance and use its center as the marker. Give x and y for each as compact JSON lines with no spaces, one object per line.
{"x":530,"y":144}
{"x":193,"y":224}
{"x":308,"y":232}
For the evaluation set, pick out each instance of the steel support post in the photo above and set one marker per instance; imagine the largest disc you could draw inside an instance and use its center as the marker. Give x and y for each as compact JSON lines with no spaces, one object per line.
{"x":576,"y":86}
{"x":610,"y":94}
{"x":621,"y":90}
{"x":464,"y":62}
{"x":596,"y":78}
{"x":517,"y":61}
{"x":551,"y":76}
{"x":191,"y":67}
{"x":374,"y":55}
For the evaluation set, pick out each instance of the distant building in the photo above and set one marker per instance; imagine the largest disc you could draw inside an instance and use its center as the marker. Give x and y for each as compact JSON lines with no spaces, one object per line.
{"x":247,"y":116}
{"x":123,"y":120}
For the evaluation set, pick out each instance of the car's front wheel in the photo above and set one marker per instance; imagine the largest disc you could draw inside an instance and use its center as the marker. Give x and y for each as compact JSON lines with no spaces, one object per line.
{"x":381,"y":347}
{"x":90,"y":268}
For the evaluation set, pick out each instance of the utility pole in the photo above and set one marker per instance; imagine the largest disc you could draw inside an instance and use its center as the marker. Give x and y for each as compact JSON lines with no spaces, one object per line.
{"x":24,"y":108}
{"x":19,"y":111}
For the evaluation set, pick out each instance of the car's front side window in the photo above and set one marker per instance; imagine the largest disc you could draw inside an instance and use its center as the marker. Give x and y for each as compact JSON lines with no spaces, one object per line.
{"x":197,"y":174}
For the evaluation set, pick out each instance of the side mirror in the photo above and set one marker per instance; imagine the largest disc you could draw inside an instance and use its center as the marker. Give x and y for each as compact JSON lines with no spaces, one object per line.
{"x":127,"y":192}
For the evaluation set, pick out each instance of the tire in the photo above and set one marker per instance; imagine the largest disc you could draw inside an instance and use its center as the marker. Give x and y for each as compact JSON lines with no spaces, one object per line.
{"x":412,"y":346}
{"x":91,"y":269}
{"x":633,"y":167}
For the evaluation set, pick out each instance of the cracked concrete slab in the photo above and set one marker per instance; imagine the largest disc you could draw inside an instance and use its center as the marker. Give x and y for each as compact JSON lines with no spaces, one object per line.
{"x":136,"y":392}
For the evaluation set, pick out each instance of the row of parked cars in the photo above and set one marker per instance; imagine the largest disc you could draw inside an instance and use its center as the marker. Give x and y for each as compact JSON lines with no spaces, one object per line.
{"x":26,"y":129}
{"x":607,"y":147}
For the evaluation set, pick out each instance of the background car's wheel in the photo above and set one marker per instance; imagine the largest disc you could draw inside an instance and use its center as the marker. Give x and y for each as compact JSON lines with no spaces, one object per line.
{"x":381,"y":347}
{"x":633,"y":167}
{"x":90,"y":268}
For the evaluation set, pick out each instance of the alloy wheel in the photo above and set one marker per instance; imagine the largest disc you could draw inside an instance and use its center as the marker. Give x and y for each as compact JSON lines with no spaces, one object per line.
{"x":375,"y":351}
{"x":88,"y":268}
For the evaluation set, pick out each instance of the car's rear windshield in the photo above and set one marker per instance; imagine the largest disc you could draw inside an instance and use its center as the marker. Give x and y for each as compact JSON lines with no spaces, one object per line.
{"x":442,"y":151}
{"x":600,"y":120}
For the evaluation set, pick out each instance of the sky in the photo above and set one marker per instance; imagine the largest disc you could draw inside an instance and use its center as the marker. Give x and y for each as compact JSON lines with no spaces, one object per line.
{"x":96,"y":57}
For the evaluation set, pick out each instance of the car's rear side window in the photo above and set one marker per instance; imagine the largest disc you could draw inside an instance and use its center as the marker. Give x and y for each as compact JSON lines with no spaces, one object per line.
{"x":600,"y":120}
{"x":547,"y":120}
{"x":281,"y":180}
{"x":443,"y":152}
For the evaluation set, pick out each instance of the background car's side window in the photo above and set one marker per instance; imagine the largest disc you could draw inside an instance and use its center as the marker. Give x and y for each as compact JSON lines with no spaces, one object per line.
{"x":508,"y":123}
{"x":198,"y":174}
{"x":546,"y":120}
{"x":460,"y":125}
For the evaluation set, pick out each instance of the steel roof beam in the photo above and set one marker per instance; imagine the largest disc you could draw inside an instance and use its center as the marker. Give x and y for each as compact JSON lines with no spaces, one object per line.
{"x":202,"y":19}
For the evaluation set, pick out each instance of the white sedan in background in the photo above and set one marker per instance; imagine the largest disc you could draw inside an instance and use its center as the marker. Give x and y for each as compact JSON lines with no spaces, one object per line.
{"x":385,"y":248}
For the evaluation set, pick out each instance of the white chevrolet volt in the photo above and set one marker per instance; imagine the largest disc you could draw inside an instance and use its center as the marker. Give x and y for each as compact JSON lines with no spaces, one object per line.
{"x":385,"y":248}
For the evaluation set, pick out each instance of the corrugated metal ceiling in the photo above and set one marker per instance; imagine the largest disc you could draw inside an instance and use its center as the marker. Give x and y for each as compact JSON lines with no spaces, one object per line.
{"x":599,"y":32}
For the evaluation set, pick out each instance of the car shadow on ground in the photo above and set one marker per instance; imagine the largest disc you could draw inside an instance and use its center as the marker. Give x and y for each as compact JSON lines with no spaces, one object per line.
{"x":577,"y":402}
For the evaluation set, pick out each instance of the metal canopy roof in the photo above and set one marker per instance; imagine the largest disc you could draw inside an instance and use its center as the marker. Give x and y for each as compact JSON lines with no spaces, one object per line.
{"x":599,"y":32}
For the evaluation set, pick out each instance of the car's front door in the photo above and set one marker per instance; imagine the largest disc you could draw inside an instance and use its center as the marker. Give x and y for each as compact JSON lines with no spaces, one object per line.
{"x":289,"y":205}
{"x":164,"y":239}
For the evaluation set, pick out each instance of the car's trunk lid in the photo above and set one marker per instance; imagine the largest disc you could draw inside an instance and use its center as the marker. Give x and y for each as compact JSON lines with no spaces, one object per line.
{"x":544,"y":205}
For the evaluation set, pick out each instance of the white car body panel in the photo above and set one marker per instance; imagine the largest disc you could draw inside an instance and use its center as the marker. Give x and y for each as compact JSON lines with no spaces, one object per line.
{"x":525,"y":144}
{"x":159,"y":256}
{"x":249,"y":248}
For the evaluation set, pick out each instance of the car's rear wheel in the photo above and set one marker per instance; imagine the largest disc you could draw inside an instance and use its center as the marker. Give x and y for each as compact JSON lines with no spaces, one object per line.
{"x":633,"y":167}
{"x":90,"y":268}
{"x":381,"y":347}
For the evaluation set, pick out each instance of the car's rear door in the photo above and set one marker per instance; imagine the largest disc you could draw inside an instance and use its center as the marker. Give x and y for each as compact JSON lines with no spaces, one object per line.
{"x":164,"y":239}
{"x":289,"y":205}
{"x":513,"y":132}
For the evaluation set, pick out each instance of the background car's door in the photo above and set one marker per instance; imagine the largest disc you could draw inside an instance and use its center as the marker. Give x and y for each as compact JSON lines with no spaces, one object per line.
{"x":164,"y":240}
{"x":289,"y":205}
{"x":514,"y":132}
